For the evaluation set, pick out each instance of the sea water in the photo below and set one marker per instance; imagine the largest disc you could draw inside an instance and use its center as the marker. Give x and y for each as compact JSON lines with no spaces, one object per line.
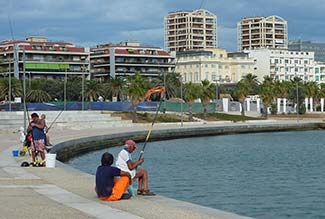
{"x":261,"y":175}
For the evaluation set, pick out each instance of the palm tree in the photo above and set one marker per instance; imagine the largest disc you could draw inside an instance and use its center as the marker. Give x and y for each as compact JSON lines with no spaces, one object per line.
{"x":136,"y":90}
{"x":16,"y":88}
{"x":192,"y":92}
{"x":116,"y":87}
{"x":267,"y":93}
{"x":37,"y":96}
{"x":311,"y":89}
{"x":37,"y":92}
{"x":207,"y":93}
{"x":93,"y":90}
{"x":242,"y":90}
{"x":172,"y":83}
{"x":252,"y":82}
{"x":297,"y":89}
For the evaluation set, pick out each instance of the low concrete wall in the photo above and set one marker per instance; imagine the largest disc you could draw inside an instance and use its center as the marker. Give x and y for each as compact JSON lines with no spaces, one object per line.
{"x":67,"y":150}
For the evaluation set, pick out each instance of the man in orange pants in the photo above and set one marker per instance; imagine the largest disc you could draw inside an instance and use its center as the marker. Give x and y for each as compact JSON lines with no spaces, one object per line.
{"x":107,"y":188}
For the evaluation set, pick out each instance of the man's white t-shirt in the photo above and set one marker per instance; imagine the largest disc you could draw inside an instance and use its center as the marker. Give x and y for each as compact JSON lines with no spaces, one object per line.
{"x":122,"y":158}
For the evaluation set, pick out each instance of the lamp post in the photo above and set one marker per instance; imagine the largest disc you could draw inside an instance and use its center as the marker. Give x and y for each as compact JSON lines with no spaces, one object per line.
{"x":181,"y":101}
{"x":9,"y":79}
{"x":83,"y":84}
{"x":297,"y":103}
{"x":24,"y":87}
{"x":217,"y":93}
{"x":65,"y":90}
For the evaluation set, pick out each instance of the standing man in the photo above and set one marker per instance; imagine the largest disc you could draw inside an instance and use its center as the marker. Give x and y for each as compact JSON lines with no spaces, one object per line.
{"x":36,"y":126}
{"x":125,"y":163}
{"x":106,"y":188}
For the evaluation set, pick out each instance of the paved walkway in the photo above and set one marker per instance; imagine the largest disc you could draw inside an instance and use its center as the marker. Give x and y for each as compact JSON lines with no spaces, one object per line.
{"x":64,"y":192}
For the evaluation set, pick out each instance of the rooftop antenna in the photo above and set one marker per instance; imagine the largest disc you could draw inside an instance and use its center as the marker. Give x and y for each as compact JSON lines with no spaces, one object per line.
{"x":202,"y":2}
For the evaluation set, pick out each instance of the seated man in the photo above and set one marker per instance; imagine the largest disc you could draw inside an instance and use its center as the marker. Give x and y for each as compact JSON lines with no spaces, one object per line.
{"x":125,"y":163}
{"x":106,"y":188}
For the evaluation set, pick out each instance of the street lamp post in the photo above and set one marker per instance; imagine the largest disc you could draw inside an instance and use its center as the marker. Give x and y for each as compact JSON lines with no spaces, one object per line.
{"x":217,"y":94}
{"x":65,"y":90}
{"x":24,"y":89}
{"x":181,"y":101}
{"x":83,"y":84}
{"x":297,"y":103}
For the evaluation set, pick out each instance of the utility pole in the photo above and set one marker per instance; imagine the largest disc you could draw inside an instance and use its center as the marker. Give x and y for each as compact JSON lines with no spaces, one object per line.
{"x":181,"y":101}
{"x":9,"y":90}
{"x":24,"y":87}
{"x":65,"y":90}
{"x":297,"y":103}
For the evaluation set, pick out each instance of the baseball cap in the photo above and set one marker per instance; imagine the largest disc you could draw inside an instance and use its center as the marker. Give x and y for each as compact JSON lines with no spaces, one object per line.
{"x":131,"y":143}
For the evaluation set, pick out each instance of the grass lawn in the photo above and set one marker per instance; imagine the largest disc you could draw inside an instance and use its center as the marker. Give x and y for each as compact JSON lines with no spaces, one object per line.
{"x":145,"y":117}
{"x":224,"y":117}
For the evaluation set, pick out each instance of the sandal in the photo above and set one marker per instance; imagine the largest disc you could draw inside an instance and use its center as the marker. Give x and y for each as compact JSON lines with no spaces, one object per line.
{"x":139,"y":192}
{"x":148,"y":193}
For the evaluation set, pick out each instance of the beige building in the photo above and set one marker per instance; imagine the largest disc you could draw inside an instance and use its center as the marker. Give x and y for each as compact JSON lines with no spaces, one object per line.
{"x":190,"y":30}
{"x":214,"y":65}
{"x":262,"y":32}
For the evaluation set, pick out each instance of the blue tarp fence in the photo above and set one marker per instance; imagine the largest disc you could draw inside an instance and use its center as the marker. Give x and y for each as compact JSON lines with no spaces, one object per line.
{"x":109,"y":106}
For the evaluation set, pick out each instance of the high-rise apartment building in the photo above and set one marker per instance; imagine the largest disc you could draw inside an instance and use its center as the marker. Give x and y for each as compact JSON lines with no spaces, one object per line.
{"x":308,"y":46}
{"x":43,"y":58}
{"x":262,"y":32}
{"x":127,"y":58}
{"x":190,"y":30}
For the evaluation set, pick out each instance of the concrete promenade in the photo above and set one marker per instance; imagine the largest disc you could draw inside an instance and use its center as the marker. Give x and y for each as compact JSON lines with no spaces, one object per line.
{"x":64,"y":192}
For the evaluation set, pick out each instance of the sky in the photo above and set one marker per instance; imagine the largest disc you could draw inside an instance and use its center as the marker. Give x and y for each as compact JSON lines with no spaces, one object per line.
{"x":91,"y":22}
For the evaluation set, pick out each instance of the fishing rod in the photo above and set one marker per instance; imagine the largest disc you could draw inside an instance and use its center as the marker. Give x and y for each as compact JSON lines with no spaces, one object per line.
{"x":150,"y":129}
{"x":156,"y":115}
{"x":55,"y":120}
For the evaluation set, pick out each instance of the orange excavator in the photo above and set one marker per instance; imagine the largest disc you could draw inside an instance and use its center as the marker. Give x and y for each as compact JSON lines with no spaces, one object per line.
{"x":153,"y":90}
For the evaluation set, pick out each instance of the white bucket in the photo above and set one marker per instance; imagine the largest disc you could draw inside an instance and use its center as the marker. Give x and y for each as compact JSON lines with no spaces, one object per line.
{"x":50,"y":160}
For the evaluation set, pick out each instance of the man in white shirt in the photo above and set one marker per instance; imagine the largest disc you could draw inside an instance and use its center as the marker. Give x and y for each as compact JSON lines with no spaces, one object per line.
{"x":125,"y":163}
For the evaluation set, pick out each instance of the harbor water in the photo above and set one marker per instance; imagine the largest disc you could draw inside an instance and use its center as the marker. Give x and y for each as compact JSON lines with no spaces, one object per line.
{"x":261,"y":175}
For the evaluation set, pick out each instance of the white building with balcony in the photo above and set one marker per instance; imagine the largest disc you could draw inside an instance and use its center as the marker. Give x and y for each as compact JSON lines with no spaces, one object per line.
{"x":282,"y":64}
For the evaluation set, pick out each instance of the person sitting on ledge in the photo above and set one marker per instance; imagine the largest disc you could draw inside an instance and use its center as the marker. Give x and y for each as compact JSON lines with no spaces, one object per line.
{"x":125,"y":163}
{"x":106,"y":188}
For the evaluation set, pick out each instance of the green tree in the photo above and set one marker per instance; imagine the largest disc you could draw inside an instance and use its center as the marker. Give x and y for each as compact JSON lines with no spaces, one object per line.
{"x":207,"y":93}
{"x":311,"y":89}
{"x":252,"y":81}
{"x":74,"y":84}
{"x":242,"y":90}
{"x":173,"y":82}
{"x":136,"y":90}
{"x":267,"y":94}
{"x":116,"y":87}
{"x":16,"y":88}
{"x":37,"y":96}
{"x":192,"y":92}
{"x":93,"y":90}
{"x":37,"y":92}
{"x":297,"y":88}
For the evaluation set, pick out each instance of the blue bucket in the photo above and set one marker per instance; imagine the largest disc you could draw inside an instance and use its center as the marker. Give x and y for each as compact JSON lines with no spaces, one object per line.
{"x":15,"y":153}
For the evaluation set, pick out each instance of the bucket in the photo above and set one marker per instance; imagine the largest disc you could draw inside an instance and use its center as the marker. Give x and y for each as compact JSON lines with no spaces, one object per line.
{"x":15,"y":153}
{"x":50,"y":160}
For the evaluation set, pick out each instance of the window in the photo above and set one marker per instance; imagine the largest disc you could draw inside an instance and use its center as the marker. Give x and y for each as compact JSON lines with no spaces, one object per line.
{"x":207,"y":75}
{"x":196,"y":76}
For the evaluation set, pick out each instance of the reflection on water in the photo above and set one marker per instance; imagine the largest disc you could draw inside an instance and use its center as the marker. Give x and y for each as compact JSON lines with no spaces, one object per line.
{"x":262,"y":175}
